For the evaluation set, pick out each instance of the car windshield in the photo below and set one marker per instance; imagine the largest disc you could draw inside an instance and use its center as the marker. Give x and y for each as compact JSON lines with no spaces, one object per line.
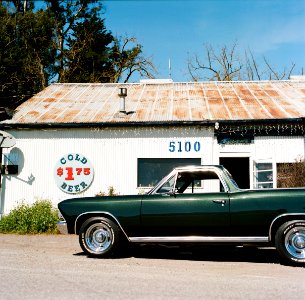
{"x":228,"y":174}
{"x":168,"y":186}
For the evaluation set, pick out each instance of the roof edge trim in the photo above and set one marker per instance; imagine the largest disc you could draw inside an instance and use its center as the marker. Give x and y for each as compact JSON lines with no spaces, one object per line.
{"x":104,"y":124}
{"x":205,"y":123}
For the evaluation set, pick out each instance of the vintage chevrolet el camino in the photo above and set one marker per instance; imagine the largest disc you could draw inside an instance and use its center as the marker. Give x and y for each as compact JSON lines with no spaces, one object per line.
{"x":195,"y":204}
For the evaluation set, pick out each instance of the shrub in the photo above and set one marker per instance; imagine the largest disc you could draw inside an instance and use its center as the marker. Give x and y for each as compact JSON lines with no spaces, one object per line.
{"x":291,"y":174}
{"x":40,"y":217}
{"x":111,"y":192}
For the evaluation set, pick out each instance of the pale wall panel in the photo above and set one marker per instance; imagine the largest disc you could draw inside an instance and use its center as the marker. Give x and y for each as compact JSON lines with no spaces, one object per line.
{"x":113,"y":153}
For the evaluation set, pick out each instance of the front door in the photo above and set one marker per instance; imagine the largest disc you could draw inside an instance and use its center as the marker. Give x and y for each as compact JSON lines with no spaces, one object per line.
{"x":185,"y":214}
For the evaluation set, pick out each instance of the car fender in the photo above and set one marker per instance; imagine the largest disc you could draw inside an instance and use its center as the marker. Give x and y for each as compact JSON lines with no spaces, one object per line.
{"x":86,"y":215}
{"x":275,"y":224}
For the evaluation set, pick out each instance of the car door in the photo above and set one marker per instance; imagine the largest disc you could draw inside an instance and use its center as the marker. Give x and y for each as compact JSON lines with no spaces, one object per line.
{"x":200,"y":214}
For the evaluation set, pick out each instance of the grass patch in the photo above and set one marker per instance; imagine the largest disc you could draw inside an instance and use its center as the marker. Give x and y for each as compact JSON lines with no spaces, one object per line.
{"x":40,"y":217}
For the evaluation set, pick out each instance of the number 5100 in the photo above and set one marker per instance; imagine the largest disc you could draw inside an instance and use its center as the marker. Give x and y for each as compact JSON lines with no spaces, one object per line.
{"x":184,"y":146}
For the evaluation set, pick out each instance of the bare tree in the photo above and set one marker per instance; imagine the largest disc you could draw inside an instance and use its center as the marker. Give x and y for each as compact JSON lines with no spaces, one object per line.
{"x":278,"y":75}
{"x":226,"y":64}
{"x":252,"y":68}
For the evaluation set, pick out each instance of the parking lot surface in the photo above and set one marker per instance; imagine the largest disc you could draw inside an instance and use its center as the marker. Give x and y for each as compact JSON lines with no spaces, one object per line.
{"x":54,"y":267}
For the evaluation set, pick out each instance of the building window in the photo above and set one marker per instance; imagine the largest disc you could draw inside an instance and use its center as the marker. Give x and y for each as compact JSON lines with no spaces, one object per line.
{"x":152,"y":170}
{"x":263,"y":175}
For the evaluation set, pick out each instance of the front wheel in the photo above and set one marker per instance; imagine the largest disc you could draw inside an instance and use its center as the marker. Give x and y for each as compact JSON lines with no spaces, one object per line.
{"x":290,"y":242}
{"x":99,"y":237}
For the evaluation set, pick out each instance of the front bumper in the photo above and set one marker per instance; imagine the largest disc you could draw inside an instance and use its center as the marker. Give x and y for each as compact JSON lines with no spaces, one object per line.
{"x":62,"y":227}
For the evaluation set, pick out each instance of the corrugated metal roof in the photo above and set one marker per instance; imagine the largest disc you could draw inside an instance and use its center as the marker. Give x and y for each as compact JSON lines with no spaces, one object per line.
{"x":146,"y":102}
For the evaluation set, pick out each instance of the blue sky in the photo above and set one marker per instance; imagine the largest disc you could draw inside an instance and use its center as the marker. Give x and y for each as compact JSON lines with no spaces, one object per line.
{"x":176,"y":29}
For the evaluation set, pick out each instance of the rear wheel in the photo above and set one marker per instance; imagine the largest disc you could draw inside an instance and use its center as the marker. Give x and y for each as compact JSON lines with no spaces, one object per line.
{"x":99,"y":237}
{"x":290,"y":242}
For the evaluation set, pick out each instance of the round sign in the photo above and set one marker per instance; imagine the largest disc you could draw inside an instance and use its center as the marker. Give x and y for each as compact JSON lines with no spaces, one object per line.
{"x":73,"y":173}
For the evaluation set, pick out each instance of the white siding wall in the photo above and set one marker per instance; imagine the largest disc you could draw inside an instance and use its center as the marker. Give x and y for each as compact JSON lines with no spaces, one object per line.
{"x":276,"y":149}
{"x":112,"y":152}
{"x":279,"y":149}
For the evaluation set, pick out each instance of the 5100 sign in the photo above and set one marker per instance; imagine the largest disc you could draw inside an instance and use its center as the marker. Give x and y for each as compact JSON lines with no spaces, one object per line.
{"x":184,"y":146}
{"x":73,"y":173}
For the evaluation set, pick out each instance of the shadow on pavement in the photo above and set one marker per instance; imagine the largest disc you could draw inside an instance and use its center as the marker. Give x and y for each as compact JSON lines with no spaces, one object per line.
{"x":207,"y":253}
{"x":200,"y":253}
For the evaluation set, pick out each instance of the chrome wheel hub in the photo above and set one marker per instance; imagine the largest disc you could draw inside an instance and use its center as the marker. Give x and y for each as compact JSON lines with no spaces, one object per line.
{"x":299,"y":242}
{"x":295,"y":242}
{"x":99,"y":237}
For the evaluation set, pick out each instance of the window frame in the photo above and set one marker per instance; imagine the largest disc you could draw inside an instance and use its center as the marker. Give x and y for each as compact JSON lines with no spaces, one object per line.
{"x":256,"y":171}
{"x":174,"y":174}
{"x":187,"y":162}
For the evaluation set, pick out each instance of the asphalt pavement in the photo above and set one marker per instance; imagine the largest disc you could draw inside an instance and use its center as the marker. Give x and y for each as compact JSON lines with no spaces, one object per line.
{"x":54,"y":267}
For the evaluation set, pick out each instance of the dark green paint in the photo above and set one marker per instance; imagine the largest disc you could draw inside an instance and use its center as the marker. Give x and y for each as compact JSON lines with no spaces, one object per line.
{"x":242,"y":212}
{"x":185,"y":214}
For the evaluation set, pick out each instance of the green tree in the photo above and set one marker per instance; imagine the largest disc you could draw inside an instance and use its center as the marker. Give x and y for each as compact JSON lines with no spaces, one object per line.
{"x":65,"y":41}
{"x":88,"y":51}
{"x":22,"y":6}
{"x":26,"y":53}
{"x":68,"y":14}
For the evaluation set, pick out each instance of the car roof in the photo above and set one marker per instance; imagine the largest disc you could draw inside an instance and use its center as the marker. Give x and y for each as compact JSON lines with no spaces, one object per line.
{"x":197,"y":168}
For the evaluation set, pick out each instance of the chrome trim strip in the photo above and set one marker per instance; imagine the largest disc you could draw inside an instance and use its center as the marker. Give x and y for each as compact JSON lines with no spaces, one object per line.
{"x":283,"y":215}
{"x":222,"y":180}
{"x":101,"y":212}
{"x":200,"y":239}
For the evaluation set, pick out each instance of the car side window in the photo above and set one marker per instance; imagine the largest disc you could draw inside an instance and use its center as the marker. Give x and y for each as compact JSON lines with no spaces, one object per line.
{"x":168,"y":186}
{"x":198,"y":182}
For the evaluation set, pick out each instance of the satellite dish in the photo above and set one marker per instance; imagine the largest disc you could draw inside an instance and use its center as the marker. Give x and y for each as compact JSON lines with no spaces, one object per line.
{"x":6,"y":140}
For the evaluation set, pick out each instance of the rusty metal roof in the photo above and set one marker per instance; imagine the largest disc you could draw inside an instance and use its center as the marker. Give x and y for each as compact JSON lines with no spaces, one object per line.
{"x":153,"y":102}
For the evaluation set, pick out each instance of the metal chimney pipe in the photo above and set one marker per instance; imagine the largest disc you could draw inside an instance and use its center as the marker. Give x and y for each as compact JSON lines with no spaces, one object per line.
{"x":122,"y":95}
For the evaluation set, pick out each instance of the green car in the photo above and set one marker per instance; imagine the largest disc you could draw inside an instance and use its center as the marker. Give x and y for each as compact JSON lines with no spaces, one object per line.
{"x":194,"y":204}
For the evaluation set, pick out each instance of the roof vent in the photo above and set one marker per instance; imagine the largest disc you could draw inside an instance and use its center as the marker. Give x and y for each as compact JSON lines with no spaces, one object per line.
{"x":297,"y":77}
{"x":156,"y":81}
{"x":122,"y":95}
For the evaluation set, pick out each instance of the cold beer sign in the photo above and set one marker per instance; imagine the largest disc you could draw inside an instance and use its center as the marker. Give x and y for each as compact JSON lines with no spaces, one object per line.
{"x":73,"y":173}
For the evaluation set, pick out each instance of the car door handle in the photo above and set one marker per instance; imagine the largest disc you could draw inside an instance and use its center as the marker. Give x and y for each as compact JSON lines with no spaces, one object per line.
{"x":222,"y":202}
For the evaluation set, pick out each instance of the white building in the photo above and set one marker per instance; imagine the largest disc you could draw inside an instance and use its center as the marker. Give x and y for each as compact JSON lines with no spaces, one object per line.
{"x":79,"y":139}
